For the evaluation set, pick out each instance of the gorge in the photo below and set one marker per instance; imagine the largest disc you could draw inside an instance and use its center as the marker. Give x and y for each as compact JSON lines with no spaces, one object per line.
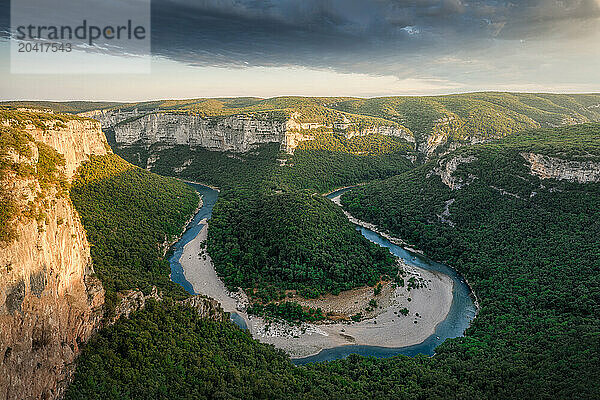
{"x":513,"y":210}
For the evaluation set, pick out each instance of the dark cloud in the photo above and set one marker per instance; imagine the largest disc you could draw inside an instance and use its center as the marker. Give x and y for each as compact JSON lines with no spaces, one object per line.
{"x":334,"y":33}
{"x":407,"y":38}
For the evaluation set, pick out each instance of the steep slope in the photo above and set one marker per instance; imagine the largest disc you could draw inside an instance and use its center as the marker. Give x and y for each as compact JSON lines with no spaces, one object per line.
{"x":50,"y":302}
{"x":442,"y":123}
{"x":436,"y":123}
{"x":518,"y":217}
{"x":131,"y":216}
{"x":525,"y":241}
{"x":53,"y":168}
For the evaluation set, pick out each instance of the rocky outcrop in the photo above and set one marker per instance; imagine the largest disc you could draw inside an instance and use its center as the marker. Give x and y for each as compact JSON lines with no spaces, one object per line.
{"x":111,"y":117}
{"x":236,"y":133}
{"x":207,"y":308}
{"x":547,"y":167}
{"x":133,"y":300}
{"x":445,"y":169}
{"x":75,"y":139}
{"x":50,"y":301}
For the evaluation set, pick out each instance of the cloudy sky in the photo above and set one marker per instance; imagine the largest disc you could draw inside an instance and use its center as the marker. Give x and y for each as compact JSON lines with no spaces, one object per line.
{"x":203,"y":48}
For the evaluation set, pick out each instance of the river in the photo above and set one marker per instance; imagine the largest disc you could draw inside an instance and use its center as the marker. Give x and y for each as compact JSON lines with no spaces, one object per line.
{"x":461,"y":313}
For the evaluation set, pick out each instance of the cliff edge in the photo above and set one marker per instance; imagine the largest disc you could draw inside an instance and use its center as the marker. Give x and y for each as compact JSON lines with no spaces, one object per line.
{"x":50,"y":301}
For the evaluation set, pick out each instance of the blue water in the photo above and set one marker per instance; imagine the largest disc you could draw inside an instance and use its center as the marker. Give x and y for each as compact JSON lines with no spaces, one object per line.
{"x":209,"y":198}
{"x":462,"y":310}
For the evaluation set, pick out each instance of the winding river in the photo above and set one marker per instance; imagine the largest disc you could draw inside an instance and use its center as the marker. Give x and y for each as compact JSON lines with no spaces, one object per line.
{"x":462,"y":310}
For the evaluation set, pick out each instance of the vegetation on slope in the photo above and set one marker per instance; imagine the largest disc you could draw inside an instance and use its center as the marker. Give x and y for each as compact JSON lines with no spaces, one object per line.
{"x":476,"y":115}
{"x":267,"y":243}
{"x":18,"y":161}
{"x":324,"y":170}
{"x":317,"y":169}
{"x":167,"y":352}
{"x":129,"y":215}
{"x":267,"y":234}
{"x":222,"y":169}
{"x":526,"y":246}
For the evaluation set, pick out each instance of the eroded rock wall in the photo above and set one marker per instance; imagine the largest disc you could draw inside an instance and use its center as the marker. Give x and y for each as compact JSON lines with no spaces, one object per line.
{"x":50,"y":302}
{"x":547,"y":167}
{"x":234,"y":133}
{"x":237,"y":133}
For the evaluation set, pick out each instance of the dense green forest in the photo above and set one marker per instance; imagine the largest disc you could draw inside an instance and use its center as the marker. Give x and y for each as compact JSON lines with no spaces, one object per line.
{"x":321,"y":169}
{"x":271,"y":242}
{"x":167,"y":352}
{"x":222,"y":169}
{"x":128,"y":213}
{"x":267,"y":233}
{"x":525,"y":244}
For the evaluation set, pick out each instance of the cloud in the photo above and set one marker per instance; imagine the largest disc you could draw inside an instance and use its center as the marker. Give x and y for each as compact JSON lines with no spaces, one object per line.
{"x":496,"y":41}
{"x":251,"y":32}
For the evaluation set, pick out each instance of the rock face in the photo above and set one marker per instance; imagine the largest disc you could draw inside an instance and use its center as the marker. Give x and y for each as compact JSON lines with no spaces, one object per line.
{"x":207,"y":308}
{"x":573,"y":171}
{"x":237,"y":133}
{"x":445,"y":169}
{"x":50,"y":302}
{"x":133,"y":300}
{"x":76,"y":140}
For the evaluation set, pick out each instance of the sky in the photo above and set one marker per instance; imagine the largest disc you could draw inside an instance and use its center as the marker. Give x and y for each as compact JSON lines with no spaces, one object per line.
{"x":364,"y":48}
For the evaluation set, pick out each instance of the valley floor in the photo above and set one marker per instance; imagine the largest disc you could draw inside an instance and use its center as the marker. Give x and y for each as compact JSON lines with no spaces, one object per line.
{"x":385,"y":326}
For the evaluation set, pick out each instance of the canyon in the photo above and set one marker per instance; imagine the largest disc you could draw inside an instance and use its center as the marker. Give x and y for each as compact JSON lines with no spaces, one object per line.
{"x":51,"y":302}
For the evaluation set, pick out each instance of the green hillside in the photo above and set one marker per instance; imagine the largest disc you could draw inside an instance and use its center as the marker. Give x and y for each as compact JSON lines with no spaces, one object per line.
{"x":531,"y":259}
{"x":478,"y":115}
{"x":271,"y":242}
{"x":128,"y":214}
{"x":524,"y":243}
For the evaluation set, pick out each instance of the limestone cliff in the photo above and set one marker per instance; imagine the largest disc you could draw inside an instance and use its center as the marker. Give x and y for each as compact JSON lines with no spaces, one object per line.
{"x":552,"y":167}
{"x":234,"y":133}
{"x":50,"y":302}
{"x":237,"y":133}
{"x":447,"y":166}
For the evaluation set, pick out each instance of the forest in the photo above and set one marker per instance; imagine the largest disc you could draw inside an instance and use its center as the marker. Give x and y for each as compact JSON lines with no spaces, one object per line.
{"x":307,"y":245}
{"x":129,"y":216}
{"x":166,"y":351}
{"x":525,"y":244}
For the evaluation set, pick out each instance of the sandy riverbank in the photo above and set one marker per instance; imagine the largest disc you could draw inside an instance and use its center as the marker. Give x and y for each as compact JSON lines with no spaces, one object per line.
{"x":388,"y":328}
{"x":199,"y":271}
{"x":385,"y":327}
